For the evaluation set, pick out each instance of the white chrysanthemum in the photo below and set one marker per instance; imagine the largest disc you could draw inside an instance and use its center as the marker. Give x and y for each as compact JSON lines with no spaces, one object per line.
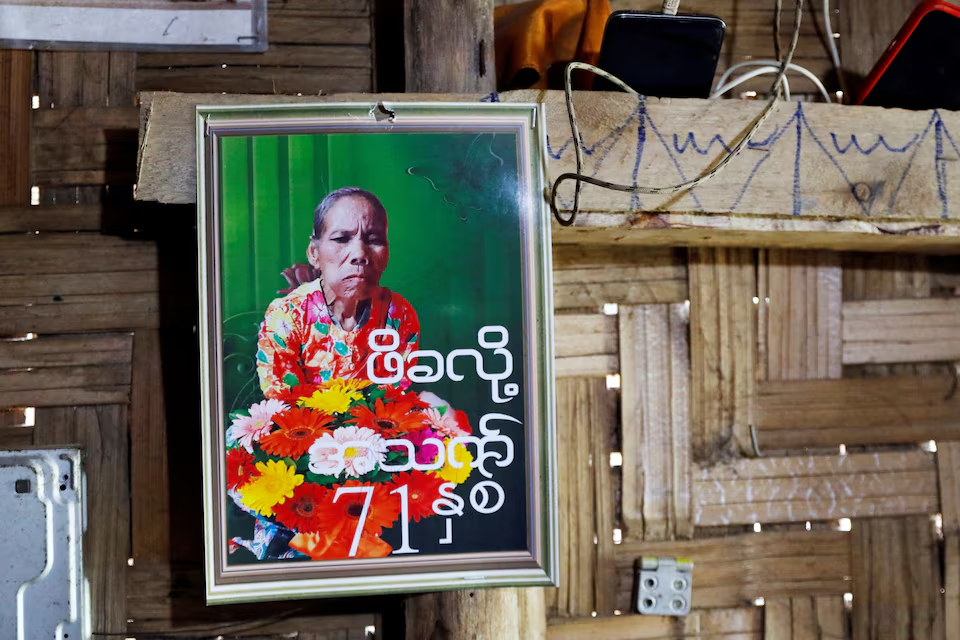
{"x":356,"y":450}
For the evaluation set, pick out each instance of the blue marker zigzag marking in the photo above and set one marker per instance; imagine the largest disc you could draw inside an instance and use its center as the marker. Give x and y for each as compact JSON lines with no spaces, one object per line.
{"x":691,"y":142}
{"x":880,"y":142}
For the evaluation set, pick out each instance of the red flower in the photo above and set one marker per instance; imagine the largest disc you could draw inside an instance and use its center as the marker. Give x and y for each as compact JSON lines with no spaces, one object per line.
{"x":299,"y":428}
{"x":388,"y":420}
{"x":293,"y":395}
{"x":396,"y":394}
{"x":422,"y":490}
{"x":304,"y":511}
{"x":336,"y":545}
{"x":240,"y":468}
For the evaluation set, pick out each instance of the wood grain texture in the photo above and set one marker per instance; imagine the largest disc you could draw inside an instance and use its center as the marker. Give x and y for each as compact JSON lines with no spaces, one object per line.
{"x":101,"y":432}
{"x":50,"y":218}
{"x":816,"y":488}
{"x":856,"y":411}
{"x":865,"y":32}
{"x":586,"y":421}
{"x":888,"y":331}
{"x":723,"y":350}
{"x":450,"y":51}
{"x":799,"y":300}
{"x":16,"y":77}
{"x":65,"y":371}
{"x":948,"y":465}
{"x":752,"y":205}
{"x":896,"y":580}
{"x":655,"y":378}
{"x":728,"y":624}
{"x":731,"y":571}
{"x":470,"y":614}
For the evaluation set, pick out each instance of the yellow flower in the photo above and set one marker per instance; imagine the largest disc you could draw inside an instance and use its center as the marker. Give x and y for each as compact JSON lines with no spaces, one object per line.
{"x":452,"y":474}
{"x":274,"y":485}
{"x":346,"y":384}
{"x":336,"y":399}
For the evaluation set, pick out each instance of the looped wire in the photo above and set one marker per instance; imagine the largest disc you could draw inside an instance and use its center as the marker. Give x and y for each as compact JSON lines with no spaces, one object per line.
{"x":775,"y":90}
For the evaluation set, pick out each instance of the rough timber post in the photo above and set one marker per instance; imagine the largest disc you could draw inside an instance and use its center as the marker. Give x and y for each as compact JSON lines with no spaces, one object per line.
{"x":449,"y":48}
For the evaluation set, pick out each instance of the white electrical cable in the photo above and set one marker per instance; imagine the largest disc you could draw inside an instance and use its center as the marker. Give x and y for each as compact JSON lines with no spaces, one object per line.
{"x":767,"y":64}
{"x":832,"y":45}
{"x":720,"y":164}
{"x":750,"y":75}
{"x":670,"y":7}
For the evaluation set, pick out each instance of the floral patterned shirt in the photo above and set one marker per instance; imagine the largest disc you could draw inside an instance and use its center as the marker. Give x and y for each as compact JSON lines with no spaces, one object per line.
{"x":300,"y":342}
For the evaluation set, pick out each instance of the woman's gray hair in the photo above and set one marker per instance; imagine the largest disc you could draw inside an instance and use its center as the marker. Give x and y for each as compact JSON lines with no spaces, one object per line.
{"x":344,"y":192}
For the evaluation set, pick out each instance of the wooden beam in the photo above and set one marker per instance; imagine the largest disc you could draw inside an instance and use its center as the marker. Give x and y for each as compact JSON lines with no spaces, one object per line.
{"x":450,"y":51}
{"x":839,"y":196}
{"x":948,"y":464}
{"x":813,"y":488}
{"x":655,"y":388}
{"x":856,"y":411}
{"x":886,"y":331}
{"x":732,"y":571}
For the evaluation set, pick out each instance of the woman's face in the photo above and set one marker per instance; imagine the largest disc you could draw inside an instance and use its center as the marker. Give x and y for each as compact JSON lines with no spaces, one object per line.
{"x":351,"y":251}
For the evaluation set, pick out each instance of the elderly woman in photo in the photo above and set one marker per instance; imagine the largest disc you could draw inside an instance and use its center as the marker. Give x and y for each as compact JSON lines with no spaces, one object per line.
{"x":321,"y":330}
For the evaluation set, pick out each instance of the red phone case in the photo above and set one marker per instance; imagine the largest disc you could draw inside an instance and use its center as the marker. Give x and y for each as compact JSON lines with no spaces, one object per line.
{"x":924,"y":8}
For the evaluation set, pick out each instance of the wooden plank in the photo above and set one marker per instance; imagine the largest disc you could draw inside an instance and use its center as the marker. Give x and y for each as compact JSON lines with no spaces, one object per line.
{"x":334,"y":8}
{"x":799,"y":301}
{"x":79,"y":284}
{"x":16,"y":437}
{"x":816,"y":488}
{"x":866,"y":33}
{"x":583,"y":295}
{"x":777,"y":619}
{"x":826,"y":209}
{"x":856,"y":411}
{"x":948,"y":465}
{"x":901,"y":331}
{"x":654,"y":369}
{"x":890,"y":461}
{"x":44,"y":254}
{"x":586,"y":366}
{"x":733,"y":571}
{"x":86,"y":117}
{"x":723,"y":350}
{"x":308,"y":81}
{"x":896,"y":579}
{"x":831,"y":618}
{"x":102,"y":433}
{"x":585,"y":334}
{"x":50,"y":218}
{"x":279,"y":55}
{"x":581,"y":257}
{"x":16,"y":75}
{"x":730,"y":624}
{"x":81,"y":313}
{"x":585,"y":421}
{"x":148,"y":452}
{"x":66,"y":351}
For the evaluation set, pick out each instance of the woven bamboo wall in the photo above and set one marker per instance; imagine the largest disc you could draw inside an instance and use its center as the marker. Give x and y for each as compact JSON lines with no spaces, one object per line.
{"x":774,"y":421}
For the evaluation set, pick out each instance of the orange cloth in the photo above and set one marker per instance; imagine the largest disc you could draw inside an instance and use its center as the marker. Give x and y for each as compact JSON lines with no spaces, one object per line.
{"x":535,"y":40}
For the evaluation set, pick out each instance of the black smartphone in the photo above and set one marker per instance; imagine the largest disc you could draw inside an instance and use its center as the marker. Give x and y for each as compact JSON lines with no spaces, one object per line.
{"x":661,"y":55}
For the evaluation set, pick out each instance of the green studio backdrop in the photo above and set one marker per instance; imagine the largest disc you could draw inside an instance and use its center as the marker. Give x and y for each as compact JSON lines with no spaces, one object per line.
{"x":455,"y":253}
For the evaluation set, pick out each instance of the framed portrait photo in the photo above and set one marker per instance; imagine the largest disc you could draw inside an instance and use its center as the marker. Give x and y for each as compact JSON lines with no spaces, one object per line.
{"x":376,"y":349}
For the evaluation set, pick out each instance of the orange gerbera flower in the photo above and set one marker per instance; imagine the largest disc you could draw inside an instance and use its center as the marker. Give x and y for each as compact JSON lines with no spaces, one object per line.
{"x":388,"y":420}
{"x":336,"y":545}
{"x":241,"y":468}
{"x":382,"y":513}
{"x":422,"y":490}
{"x":299,"y":428}
{"x":304,"y":512}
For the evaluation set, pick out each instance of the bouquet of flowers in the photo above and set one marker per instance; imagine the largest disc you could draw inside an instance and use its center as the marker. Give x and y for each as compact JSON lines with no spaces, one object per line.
{"x":321,"y":465}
